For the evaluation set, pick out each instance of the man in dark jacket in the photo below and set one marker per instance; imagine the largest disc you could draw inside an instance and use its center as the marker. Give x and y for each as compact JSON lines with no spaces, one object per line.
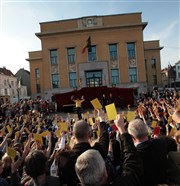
{"x":82,"y":135}
{"x":152,"y":152}
{"x":91,"y":170}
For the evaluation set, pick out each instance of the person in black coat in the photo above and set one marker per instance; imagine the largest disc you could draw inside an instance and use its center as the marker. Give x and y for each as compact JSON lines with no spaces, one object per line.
{"x":82,"y":135}
{"x":104,"y":102}
{"x":152,"y":152}
{"x":91,"y":170}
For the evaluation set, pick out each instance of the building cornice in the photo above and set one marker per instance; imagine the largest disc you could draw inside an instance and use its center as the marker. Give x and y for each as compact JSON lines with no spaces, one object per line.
{"x":33,"y":59}
{"x":41,"y":34}
{"x":100,"y":16}
{"x":155,"y":48}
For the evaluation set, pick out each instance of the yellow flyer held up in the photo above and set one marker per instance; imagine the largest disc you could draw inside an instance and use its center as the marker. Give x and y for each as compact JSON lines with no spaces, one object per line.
{"x":9,"y":129}
{"x":91,"y":121}
{"x":27,"y":130}
{"x":45,"y":133}
{"x":58,"y":133}
{"x":11,"y":152}
{"x":131,"y":115}
{"x":178,"y":107}
{"x":96,"y":103}
{"x":38,"y":138}
{"x":153,"y":124}
{"x":63,"y":126}
{"x":111,"y":111}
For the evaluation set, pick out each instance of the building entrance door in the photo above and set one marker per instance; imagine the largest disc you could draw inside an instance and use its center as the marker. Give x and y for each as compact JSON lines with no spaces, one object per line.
{"x":94,"y":78}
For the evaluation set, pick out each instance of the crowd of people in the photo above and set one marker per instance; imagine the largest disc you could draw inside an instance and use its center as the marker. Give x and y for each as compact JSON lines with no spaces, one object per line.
{"x":41,"y":148}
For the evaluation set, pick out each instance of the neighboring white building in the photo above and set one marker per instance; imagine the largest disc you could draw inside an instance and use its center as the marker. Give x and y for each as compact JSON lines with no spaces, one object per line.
{"x":165,"y":78}
{"x":177,"y":71}
{"x":9,"y":85}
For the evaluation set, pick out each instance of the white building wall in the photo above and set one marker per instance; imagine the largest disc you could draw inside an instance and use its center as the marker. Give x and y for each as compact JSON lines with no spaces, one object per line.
{"x":9,"y":86}
{"x":177,"y":71}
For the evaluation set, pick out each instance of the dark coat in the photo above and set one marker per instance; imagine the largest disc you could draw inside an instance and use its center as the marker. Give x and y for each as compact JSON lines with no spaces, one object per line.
{"x":50,"y":181}
{"x":132,"y":167}
{"x":67,"y":172}
{"x":153,"y":154}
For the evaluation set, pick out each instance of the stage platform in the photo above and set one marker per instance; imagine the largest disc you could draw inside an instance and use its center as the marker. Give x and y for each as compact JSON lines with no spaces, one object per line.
{"x":122,"y":97}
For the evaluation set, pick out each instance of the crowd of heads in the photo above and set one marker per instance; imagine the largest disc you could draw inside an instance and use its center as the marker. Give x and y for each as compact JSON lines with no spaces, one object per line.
{"x":39,"y":139}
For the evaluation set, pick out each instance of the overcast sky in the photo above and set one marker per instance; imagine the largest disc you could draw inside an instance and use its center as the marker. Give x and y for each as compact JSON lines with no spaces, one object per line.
{"x":19,"y":21}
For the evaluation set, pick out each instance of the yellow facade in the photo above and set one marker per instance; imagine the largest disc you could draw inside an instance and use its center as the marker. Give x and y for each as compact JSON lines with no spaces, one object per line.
{"x":117,"y":56}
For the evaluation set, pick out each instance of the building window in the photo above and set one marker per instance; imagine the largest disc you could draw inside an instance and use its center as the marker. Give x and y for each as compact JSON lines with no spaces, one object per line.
{"x":153,"y":63}
{"x":38,"y":88}
{"x":13,"y":92}
{"x":55,"y":80}
{"x":5,"y":82}
{"x":113,"y":52}
{"x":37,"y":72}
{"x":114,"y":76}
{"x":154,"y":78}
{"x":131,"y":50}
{"x":24,"y":92}
{"x":133,"y":74}
{"x":92,"y":54}
{"x":71,"y":55}
{"x":72,"y":79}
{"x":53,"y":56}
{"x":12,"y":83}
{"x":94,"y":78}
{"x":178,"y":67}
{"x":178,"y":74}
{"x":5,"y":91}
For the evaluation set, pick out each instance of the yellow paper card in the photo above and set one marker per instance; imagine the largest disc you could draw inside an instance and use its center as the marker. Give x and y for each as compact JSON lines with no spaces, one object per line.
{"x":96,"y":103}
{"x":45,"y":133}
{"x":24,"y":143}
{"x":38,"y":127}
{"x":131,"y":115}
{"x":153,"y":124}
{"x":91,"y":121}
{"x":98,"y":133}
{"x":9,"y":129}
{"x":97,"y":119}
{"x":38,"y":138}
{"x":169,"y":110}
{"x":25,"y":118}
{"x":85,"y":115}
{"x":111,"y":111}
{"x":63,"y":126}
{"x":169,"y":119}
{"x":173,"y":131}
{"x":17,"y":134}
{"x":11,"y":152}
{"x":178,"y":107}
{"x":58,"y":133}
{"x":155,"y":109}
{"x":3,"y":131}
{"x":27,"y":130}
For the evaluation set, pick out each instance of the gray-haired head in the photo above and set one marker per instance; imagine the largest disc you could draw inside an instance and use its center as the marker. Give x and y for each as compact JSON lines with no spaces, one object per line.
{"x":138,"y":129}
{"x":81,"y":129}
{"x":90,"y":168}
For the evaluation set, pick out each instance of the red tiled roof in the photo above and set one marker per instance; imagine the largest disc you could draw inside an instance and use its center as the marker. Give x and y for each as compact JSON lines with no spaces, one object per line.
{"x":6,"y":72}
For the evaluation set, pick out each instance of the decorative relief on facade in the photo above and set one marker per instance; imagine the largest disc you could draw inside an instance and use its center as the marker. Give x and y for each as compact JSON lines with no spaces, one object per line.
{"x":132,"y":62}
{"x":54,"y":69}
{"x":89,"y":22}
{"x":72,"y":68}
{"x":114,"y":64}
